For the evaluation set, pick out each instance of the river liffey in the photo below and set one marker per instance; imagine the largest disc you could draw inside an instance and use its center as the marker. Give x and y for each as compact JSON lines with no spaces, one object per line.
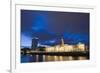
{"x":47,"y":58}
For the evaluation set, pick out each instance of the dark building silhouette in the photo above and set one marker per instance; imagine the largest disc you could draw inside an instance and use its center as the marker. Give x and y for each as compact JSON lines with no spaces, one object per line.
{"x":34,"y":43}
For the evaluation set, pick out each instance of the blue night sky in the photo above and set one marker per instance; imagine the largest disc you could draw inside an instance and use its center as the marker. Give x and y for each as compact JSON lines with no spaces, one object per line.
{"x":51,"y":26}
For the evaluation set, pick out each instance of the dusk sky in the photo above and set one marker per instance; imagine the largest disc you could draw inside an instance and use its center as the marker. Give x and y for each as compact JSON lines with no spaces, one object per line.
{"x":51,"y":26}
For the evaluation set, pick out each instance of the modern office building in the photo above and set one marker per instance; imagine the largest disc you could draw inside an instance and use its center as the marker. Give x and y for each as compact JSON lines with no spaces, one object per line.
{"x":34,"y":43}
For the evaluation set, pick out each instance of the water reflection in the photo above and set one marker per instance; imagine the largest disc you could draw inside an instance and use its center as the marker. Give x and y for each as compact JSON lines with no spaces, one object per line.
{"x":47,"y":58}
{"x":63,"y":58}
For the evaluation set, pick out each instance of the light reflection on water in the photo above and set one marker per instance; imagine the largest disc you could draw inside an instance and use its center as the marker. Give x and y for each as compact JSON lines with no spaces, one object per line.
{"x":45,"y":58}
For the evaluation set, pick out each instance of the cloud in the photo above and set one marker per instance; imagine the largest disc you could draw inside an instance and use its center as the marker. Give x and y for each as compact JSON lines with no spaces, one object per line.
{"x":50,"y":26}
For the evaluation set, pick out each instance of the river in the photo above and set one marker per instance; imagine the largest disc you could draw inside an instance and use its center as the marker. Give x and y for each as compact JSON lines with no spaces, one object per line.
{"x":48,"y":58}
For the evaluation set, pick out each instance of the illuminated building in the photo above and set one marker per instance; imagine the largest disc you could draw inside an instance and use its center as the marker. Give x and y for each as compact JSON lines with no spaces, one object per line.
{"x":58,"y":48}
{"x":69,"y":47}
{"x":66,"y":47}
{"x":81,"y":46}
